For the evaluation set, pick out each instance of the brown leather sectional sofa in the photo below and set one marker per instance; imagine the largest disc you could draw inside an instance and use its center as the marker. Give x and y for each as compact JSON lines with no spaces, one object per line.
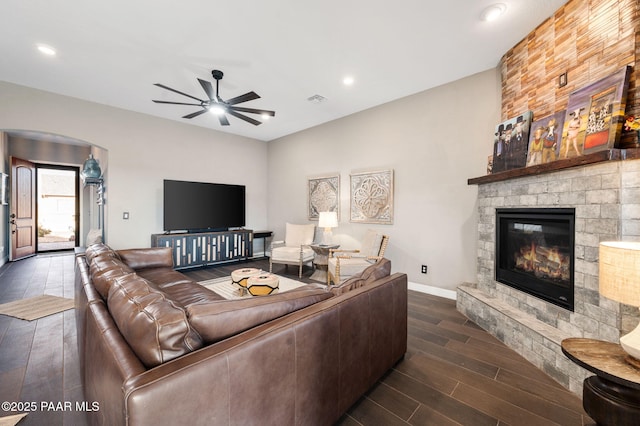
{"x":157,"y":348}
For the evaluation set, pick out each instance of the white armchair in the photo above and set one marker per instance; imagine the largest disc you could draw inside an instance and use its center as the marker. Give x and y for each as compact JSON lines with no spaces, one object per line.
{"x":346,"y":263}
{"x":295,"y":249}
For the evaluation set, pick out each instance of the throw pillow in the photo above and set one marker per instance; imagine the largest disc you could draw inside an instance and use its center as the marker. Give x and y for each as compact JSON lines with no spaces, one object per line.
{"x":99,"y":249}
{"x":380,"y":269}
{"x":155,"y":328}
{"x":154,"y":257}
{"x":104,"y":269}
{"x":94,"y":236}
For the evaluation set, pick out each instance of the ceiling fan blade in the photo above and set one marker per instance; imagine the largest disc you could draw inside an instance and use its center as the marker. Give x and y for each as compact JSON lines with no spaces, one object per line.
{"x":243,"y":98}
{"x":195,"y":114}
{"x":208,"y":88}
{"x":254,"y":111}
{"x":175,"y":103}
{"x":177,"y":91}
{"x":223,"y":120}
{"x":243,"y":117}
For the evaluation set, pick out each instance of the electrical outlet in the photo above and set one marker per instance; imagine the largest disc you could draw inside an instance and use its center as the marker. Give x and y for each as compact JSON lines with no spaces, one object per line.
{"x":424,"y":269}
{"x":125,"y":215}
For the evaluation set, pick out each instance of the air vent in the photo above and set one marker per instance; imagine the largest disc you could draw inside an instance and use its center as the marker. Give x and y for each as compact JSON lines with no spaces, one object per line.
{"x":316,"y":99}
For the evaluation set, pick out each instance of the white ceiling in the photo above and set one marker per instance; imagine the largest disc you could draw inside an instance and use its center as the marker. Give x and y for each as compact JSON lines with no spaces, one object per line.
{"x":111,"y":52}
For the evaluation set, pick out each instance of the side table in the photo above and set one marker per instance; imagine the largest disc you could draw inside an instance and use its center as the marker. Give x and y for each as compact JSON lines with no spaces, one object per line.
{"x":612,"y":396}
{"x":321,"y":260}
{"x":263,"y":235}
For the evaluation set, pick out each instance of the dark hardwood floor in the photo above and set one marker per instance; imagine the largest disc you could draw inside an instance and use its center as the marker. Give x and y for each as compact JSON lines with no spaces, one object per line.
{"x":454,"y":373}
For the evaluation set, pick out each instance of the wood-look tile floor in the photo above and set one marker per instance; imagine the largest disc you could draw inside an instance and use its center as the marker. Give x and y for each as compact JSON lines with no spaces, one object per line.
{"x":454,"y":373}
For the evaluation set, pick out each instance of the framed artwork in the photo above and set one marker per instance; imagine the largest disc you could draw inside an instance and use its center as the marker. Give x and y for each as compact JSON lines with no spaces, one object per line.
{"x":544,"y":139}
{"x":4,"y":188}
{"x":595,"y":115}
{"x":510,"y":143}
{"x":372,"y":197}
{"x":323,"y":195}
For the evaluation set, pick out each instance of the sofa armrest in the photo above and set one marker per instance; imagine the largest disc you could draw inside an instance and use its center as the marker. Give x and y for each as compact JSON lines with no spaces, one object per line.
{"x":141,"y":258}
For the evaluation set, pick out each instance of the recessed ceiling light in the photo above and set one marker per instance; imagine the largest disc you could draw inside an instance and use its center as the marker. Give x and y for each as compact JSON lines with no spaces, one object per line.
{"x":46,"y":50}
{"x":348,"y":80}
{"x":493,"y":12}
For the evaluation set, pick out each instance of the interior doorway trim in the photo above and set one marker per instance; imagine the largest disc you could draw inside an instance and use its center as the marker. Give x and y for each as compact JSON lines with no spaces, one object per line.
{"x":40,"y":248}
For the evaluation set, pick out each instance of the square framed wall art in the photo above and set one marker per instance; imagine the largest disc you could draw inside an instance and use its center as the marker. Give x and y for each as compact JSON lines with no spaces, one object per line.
{"x":372,"y":197}
{"x":323,"y":195}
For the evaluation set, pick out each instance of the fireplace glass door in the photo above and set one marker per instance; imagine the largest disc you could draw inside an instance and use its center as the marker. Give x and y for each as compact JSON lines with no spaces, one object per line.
{"x":535,"y":252}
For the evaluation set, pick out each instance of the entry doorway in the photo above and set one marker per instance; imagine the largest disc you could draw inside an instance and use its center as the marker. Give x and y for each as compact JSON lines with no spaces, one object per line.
{"x":58,"y":207}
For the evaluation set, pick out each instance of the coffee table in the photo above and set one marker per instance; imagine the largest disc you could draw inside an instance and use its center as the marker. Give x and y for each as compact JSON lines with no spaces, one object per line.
{"x":227,"y":289}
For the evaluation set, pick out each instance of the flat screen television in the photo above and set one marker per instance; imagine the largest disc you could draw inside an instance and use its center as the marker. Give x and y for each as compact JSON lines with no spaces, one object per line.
{"x":201,"y":206}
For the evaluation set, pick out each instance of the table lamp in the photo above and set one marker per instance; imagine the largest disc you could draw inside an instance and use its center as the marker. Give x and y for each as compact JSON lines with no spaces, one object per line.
{"x":620,"y":281}
{"x":327,"y":221}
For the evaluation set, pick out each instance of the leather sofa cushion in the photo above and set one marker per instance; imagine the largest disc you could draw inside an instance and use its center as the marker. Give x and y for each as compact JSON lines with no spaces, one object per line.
{"x":104,"y":269}
{"x":179,"y":288}
{"x":218,"y":320}
{"x":154,"y":257}
{"x":380,"y":269}
{"x":95,"y":250}
{"x":154,"y":327}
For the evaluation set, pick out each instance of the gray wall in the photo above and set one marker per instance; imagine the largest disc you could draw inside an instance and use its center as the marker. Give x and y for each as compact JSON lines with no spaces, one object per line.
{"x":142,"y":151}
{"x":434,"y":141}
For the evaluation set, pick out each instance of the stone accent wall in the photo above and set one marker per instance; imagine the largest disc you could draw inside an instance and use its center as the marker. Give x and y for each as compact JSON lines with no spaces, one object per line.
{"x":606,"y":198}
{"x":587,"y":39}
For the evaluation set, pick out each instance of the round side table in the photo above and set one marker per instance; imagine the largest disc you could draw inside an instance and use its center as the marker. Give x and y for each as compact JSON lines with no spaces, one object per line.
{"x":321,"y":260}
{"x":612,"y":396}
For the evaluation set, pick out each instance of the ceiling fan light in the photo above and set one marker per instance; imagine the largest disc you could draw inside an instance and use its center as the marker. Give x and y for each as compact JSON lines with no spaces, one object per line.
{"x":216,"y":110}
{"x":46,"y":50}
{"x":265,"y":116}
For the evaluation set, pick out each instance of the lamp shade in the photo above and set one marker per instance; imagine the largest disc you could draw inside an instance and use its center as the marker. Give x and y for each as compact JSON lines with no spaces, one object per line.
{"x":328,"y":220}
{"x":620,"y":271}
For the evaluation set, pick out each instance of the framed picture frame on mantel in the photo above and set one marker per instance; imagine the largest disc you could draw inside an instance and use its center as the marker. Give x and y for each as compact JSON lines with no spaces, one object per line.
{"x":595,"y":115}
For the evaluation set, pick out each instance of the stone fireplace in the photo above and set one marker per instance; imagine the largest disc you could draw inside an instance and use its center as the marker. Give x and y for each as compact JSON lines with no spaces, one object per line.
{"x":605,"y":199}
{"x":535,"y":252}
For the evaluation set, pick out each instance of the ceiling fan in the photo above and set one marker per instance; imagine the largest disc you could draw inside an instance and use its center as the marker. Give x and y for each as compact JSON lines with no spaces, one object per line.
{"x":217,"y":105}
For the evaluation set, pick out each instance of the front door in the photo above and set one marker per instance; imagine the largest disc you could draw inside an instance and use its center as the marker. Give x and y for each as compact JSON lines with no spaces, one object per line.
{"x":22,"y":209}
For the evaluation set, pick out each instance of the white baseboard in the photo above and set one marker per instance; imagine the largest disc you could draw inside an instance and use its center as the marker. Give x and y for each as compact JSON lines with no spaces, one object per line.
{"x":435,"y":291}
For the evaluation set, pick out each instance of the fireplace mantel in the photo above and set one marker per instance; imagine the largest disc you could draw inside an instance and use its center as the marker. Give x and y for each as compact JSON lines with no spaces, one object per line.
{"x":603,"y":190}
{"x":596,"y":157}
